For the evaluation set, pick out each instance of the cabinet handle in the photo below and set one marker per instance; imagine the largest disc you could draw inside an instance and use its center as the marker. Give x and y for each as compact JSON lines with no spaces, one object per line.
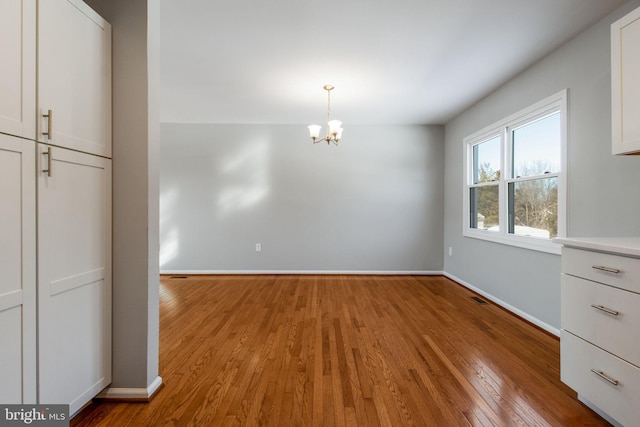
{"x":607,"y":269}
{"x":605,"y":377}
{"x":605,"y":309}
{"x":49,"y":131}
{"x":48,"y":154}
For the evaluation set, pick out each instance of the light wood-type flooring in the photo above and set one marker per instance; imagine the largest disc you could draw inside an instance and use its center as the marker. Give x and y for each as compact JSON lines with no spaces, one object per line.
{"x":284,"y":350}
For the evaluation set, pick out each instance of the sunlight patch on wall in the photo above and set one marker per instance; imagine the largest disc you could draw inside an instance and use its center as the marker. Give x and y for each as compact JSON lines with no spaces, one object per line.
{"x":168,"y":239}
{"x":169,"y":247}
{"x":167,"y":204}
{"x":246,"y":179}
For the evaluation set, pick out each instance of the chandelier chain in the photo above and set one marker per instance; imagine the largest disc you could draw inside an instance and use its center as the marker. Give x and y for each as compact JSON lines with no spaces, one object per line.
{"x":328,"y":105}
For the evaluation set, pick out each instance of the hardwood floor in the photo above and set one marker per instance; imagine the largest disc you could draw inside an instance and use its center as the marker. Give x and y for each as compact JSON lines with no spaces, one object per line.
{"x":345,"y":351}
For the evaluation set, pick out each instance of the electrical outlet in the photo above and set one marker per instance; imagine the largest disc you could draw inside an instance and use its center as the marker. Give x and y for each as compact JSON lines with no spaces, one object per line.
{"x":258,"y":247}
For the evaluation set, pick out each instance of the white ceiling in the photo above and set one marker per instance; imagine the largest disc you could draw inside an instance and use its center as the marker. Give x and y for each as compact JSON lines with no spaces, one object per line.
{"x":392,"y":61}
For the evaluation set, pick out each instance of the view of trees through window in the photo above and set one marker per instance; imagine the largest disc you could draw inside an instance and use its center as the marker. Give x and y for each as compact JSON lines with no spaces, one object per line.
{"x":533,"y":209}
{"x":532,"y":182}
{"x":485,"y":200}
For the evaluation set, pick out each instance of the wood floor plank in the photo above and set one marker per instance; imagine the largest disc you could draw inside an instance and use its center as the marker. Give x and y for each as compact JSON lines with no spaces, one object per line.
{"x":336,"y":350}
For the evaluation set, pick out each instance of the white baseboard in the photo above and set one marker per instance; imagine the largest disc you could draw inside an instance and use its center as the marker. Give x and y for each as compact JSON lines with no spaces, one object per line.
{"x":328,"y":272}
{"x":141,"y":394}
{"x":539,"y":323}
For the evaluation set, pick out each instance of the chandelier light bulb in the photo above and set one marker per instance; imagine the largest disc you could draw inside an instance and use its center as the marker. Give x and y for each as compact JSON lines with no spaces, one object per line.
{"x":334,"y":125}
{"x":314,"y":131}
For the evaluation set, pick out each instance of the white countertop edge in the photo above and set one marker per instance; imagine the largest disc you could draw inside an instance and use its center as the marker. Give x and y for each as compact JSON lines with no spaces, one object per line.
{"x":629,"y":246}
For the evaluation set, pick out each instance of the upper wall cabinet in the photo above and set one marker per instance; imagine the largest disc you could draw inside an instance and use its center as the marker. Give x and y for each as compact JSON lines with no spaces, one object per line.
{"x":18,"y":67}
{"x":74,"y":77}
{"x":625,"y":84}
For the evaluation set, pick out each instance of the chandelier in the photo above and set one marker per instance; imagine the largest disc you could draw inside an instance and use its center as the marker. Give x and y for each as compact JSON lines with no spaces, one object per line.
{"x":334,"y":127}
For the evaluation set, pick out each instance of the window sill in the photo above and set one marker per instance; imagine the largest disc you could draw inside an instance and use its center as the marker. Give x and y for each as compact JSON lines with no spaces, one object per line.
{"x":531,"y":243}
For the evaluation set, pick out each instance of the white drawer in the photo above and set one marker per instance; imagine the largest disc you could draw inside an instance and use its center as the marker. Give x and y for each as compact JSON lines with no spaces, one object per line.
{"x":619,"y":271}
{"x":614,"y":333}
{"x":578,"y":358}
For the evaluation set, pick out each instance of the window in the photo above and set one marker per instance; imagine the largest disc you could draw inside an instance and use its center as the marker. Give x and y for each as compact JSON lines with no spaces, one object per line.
{"x":514,"y":189}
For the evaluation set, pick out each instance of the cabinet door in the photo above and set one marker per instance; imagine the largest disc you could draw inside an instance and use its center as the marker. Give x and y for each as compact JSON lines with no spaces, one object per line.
{"x":625,"y":86}
{"x":18,"y":67}
{"x":17,"y":264}
{"x":74,"y":276}
{"x":74,"y":77}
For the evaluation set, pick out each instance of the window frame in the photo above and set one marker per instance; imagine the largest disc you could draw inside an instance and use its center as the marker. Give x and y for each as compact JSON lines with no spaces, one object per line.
{"x":503,"y":129}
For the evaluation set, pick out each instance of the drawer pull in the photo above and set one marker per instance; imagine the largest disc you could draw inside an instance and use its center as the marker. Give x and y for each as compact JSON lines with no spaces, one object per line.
{"x":605,"y":309}
{"x":605,"y":377}
{"x":607,"y":269}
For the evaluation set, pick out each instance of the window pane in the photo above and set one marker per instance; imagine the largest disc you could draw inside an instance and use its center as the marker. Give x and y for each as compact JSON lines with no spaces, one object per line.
{"x":484,"y":208}
{"x":533,"y":208}
{"x":486,"y":161}
{"x":536,"y":147}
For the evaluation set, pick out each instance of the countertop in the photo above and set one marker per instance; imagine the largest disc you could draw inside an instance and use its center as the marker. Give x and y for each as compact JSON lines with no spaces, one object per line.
{"x":629,"y":246}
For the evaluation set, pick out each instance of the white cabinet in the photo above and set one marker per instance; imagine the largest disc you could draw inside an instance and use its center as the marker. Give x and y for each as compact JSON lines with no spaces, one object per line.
{"x":18,"y":69}
{"x":17,"y":267}
{"x":625,"y":85}
{"x":74,"y":77}
{"x":609,"y":382}
{"x":599,"y":349}
{"x":55,"y":226}
{"x":74,"y":276}
{"x":68,"y":47}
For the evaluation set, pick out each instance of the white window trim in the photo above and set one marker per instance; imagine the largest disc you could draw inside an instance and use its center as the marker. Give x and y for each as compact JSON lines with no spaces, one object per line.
{"x":553,"y":102}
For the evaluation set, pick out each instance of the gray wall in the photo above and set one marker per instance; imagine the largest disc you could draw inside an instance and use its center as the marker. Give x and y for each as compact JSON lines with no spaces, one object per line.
{"x":603,"y":193}
{"x":374,"y":203}
{"x":135,"y":190}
